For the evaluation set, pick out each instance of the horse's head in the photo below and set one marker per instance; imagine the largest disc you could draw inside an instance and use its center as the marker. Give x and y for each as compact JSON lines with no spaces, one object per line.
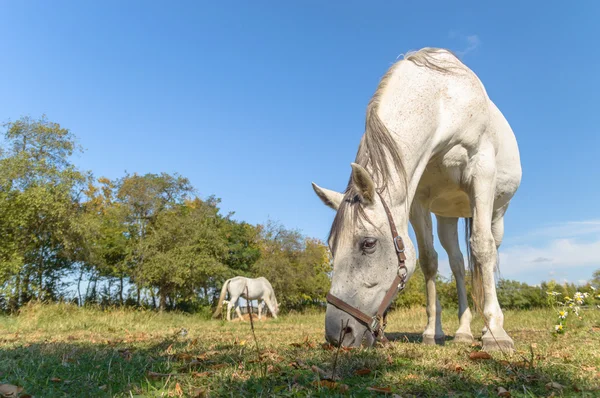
{"x":365,"y":260}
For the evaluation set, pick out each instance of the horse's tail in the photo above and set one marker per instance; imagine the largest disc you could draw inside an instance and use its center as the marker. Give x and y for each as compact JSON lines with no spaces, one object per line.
{"x":221,"y":299}
{"x":476,"y":277}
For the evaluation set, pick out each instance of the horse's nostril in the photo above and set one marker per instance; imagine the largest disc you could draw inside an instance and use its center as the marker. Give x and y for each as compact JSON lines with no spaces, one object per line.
{"x":347,"y":330}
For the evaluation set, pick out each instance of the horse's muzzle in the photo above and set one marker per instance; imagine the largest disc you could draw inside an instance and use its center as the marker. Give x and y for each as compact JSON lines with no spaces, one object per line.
{"x":341,"y":327}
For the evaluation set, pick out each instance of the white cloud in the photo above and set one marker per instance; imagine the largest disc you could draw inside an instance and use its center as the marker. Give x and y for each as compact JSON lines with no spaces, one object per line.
{"x":556,"y":254}
{"x":568,"y":249}
{"x":571,"y":229}
{"x":471,"y":42}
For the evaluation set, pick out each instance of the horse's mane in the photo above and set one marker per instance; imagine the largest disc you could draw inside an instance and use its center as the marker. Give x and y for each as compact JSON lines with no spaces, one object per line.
{"x":377,"y":145}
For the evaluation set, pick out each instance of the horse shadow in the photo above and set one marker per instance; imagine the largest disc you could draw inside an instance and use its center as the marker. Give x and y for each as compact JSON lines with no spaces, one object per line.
{"x":407,"y":337}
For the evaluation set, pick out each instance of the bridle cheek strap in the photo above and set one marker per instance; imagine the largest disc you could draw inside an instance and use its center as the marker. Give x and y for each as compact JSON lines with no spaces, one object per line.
{"x":376,"y":323}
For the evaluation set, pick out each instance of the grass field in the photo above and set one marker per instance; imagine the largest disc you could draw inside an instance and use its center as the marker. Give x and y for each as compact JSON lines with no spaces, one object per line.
{"x":65,"y":351}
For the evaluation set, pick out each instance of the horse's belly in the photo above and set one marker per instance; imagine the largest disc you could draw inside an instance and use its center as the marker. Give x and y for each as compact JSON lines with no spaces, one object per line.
{"x":446,"y":201}
{"x":439,"y":190}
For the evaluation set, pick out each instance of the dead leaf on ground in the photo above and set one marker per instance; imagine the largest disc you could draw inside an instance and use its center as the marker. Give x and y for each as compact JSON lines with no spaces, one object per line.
{"x":362,"y":372}
{"x":219,"y":366}
{"x":201,"y":374}
{"x":522,"y":364}
{"x":155,"y":375}
{"x":323,"y":375}
{"x":272,"y":355}
{"x":126,"y":354}
{"x":8,"y":390}
{"x":475,"y":355}
{"x":182,"y":356}
{"x":198,"y":393}
{"x":299,"y":364}
{"x":56,"y":379}
{"x":205,"y":355}
{"x":385,"y":390}
{"x":455,"y":368}
{"x":178,"y":390}
{"x":503,"y":392}
{"x":327,"y":346}
{"x":554,"y":386}
{"x":331,"y":385}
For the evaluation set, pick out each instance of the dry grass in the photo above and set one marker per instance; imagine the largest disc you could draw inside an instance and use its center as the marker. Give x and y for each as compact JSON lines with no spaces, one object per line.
{"x":60,"y":350}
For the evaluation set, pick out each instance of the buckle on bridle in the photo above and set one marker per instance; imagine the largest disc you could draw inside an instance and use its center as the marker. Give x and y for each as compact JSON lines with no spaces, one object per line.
{"x":375,"y":322}
{"x":377,"y":326}
{"x":396,"y":239}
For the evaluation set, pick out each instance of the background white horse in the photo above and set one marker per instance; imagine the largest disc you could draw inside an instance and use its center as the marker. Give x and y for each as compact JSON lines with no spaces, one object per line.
{"x":433,"y":142}
{"x":258,"y":289}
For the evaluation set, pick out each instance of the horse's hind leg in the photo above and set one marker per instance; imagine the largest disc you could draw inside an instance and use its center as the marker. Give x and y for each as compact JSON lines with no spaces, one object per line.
{"x":259,"y":308}
{"x":483,"y":247}
{"x":238,"y":312}
{"x":448,"y":235}
{"x":420,"y":218}
{"x":233,"y":302}
{"x":229,"y":305}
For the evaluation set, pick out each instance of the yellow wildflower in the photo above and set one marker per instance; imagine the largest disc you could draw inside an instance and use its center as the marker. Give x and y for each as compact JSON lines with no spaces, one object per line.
{"x":562,"y":314}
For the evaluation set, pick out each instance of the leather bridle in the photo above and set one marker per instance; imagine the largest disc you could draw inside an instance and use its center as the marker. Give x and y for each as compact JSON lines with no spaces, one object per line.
{"x":376,"y":323}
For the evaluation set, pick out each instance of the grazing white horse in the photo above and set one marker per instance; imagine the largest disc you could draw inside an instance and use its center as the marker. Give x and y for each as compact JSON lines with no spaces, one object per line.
{"x":258,"y":289}
{"x":434,"y":142}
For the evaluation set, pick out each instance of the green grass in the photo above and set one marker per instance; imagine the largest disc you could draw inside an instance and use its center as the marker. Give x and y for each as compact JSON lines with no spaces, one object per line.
{"x":65,"y":351}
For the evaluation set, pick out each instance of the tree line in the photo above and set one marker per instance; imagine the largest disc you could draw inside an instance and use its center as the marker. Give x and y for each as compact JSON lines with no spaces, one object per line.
{"x":150,"y":241}
{"x":142,"y":240}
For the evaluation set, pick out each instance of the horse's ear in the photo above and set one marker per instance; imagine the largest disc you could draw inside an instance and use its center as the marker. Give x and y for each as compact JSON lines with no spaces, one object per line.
{"x":363,"y":183}
{"x":329,"y":197}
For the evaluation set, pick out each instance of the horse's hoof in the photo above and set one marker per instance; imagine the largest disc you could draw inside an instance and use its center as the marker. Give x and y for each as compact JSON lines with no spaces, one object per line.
{"x":463,"y":338}
{"x":505,"y":344}
{"x":433,"y":340}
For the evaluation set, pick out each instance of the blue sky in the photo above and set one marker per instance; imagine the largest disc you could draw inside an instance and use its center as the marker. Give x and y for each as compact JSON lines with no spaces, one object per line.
{"x":254,"y":100}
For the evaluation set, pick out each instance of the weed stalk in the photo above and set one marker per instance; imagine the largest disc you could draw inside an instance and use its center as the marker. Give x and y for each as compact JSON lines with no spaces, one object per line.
{"x":263,"y":369}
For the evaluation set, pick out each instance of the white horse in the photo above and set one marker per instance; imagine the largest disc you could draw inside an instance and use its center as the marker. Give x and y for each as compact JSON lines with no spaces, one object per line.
{"x":434,"y":142}
{"x":258,"y":289}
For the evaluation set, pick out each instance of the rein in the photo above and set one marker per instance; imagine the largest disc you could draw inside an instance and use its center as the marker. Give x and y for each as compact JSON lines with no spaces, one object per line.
{"x":377,"y":323}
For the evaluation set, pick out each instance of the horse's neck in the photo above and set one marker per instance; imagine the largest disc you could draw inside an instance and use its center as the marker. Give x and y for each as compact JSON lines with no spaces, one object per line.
{"x":402,"y":185}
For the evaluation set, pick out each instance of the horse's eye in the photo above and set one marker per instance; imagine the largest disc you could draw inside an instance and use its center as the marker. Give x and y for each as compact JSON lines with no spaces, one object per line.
{"x":368,"y":245}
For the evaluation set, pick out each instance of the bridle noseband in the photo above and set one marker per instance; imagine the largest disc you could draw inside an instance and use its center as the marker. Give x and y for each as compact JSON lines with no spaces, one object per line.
{"x":377,"y":322}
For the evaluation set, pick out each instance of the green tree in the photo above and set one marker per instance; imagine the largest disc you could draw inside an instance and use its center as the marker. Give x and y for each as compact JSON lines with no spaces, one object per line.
{"x":105,"y":246}
{"x":297,"y":267}
{"x":184,"y":253}
{"x":143,"y":199}
{"x":39,"y":193}
{"x":596,"y":279}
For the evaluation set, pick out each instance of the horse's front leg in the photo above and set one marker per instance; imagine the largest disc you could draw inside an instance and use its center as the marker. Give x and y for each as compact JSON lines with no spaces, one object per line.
{"x":420,"y":218}
{"x":259,"y":308}
{"x":484,"y":251}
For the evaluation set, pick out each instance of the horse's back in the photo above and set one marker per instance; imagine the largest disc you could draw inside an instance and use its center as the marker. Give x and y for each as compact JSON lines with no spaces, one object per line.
{"x":433,"y":99}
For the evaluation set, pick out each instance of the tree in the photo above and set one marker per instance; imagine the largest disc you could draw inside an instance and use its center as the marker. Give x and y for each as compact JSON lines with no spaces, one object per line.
{"x":105,"y":246}
{"x":144,"y":199}
{"x":296,"y":266}
{"x":184,"y":253}
{"x":39,"y":190}
{"x":596,"y":279}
